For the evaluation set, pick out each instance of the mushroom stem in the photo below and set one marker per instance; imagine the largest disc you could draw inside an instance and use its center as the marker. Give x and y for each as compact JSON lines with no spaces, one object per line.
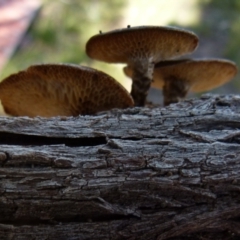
{"x":174,"y":90}
{"x":141,"y":81}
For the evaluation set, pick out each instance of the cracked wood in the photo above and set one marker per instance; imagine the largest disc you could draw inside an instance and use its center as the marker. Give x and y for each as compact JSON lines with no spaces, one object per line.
{"x":138,"y":173}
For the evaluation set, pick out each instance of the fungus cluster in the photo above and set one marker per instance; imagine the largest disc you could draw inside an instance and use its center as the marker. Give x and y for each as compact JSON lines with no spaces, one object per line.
{"x":141,"y":48}
{"x":148,"y":51}
{"x":49,"y":90}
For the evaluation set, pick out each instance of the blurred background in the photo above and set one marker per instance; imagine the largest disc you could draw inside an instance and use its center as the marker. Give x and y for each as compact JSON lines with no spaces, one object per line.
{"x":61,"y":29}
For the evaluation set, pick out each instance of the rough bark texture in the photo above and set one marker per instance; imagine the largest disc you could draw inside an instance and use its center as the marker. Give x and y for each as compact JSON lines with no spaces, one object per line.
{"x":141,"y":173}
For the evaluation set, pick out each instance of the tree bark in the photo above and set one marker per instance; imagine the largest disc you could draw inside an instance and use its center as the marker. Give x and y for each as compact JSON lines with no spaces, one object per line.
{"x":140,"y":173}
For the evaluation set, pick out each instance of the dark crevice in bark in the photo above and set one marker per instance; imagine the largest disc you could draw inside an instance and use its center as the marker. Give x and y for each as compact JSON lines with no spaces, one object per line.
{"x":22,"y":139}
{"x":231,"y":140}
{"x":73,"y":219}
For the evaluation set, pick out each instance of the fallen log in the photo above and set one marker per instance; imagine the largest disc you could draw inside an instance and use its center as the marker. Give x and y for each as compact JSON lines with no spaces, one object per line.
{"x":140,"y":173}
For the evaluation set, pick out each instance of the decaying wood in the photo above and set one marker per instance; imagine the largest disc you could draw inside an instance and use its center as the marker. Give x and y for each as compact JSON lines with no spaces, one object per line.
{"x":141,"y":173}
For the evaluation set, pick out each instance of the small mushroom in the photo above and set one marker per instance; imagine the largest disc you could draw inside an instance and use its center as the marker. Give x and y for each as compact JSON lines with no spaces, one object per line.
{"x":140,"y":48}
{"x":61,"y":90}
{"x":177,"y":77}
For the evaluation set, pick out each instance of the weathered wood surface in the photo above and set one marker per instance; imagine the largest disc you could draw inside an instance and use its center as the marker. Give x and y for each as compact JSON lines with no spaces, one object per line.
{"x":139,"y":173}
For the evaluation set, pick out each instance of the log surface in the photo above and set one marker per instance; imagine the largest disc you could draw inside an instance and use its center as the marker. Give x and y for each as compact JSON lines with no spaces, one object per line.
{"x":140,"y":173}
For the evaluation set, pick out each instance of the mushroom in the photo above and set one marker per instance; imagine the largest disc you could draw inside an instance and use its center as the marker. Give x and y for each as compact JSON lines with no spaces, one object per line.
{"x":141,"y":47}
{"x":177,"y":77}
{"x":61,"y":90}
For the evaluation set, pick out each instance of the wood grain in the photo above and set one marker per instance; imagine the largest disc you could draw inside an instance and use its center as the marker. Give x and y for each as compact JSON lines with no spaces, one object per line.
{"x":140,"y":173}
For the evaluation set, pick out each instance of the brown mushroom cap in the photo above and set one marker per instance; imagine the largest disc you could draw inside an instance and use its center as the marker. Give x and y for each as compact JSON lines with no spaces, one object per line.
{"x":200,"y":74}
{"x":152,"y":42}
{"x":61,"y":90}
